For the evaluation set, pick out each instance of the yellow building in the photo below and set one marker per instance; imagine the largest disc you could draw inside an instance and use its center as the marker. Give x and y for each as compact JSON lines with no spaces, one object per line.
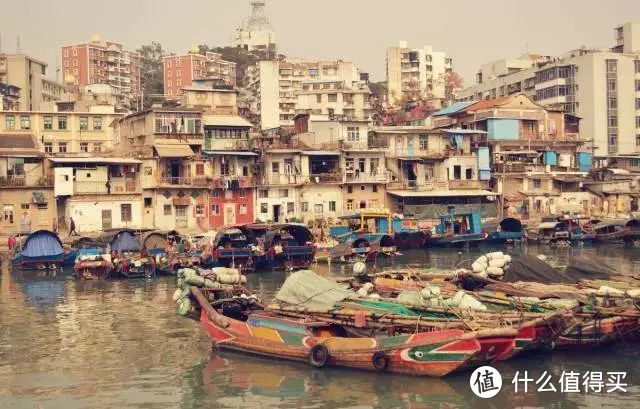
{"x":62,"y":132}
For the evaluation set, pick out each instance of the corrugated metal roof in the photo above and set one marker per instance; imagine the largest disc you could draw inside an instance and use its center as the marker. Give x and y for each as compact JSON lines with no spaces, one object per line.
{"x":19,"y":145}
{"x":236,"y":153}
{"x":321,"y":153}
{"x":453,"y":108}
{"x":461,"y":131}
{"x":441,"y":193}
{"x":225,"y":120}
{"x":96,"y":160}
{"x":173,"y":151}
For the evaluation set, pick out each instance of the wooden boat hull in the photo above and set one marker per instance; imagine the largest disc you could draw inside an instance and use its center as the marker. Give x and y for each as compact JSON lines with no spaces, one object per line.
{"x":455,"y":240}
{"x":291,"y":257}
{"x":592,"y":332}
{"x":436,"y":353}
{"x":92,"y":270}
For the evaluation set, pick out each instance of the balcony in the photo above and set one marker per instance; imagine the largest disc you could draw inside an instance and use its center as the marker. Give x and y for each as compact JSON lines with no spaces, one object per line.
{"x":468,"y":184}
{"x":416,"y":186}
{"x":282,"y":179}
{"x":227,"y":182}
{"x":334,"y":177}
{"x":21,"y":181}
{"x":176,"y":181}
{"x":363,"y":177}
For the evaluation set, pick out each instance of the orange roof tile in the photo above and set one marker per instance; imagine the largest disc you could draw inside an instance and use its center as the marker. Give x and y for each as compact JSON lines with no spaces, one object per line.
{"x":489,"y":103}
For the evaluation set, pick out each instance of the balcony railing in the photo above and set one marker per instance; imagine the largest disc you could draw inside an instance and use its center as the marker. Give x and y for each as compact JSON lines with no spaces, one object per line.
{"x":227,"y":182}
{"x":334,"y":177}
{"x":176,"y":181}
{"x":418,"y":186}
{"x":282,"y":179}
{"x":468,"y":184}
{"x":21,"y":181}
{"x":363,"y":177}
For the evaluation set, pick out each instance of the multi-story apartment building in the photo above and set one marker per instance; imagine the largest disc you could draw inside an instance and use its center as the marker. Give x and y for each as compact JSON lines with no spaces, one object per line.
{"x":181,"y":70}
{"x":256,"y":34}
{"x":335,"y":98}
{"x":9,"y":97}
{"x":63,"y":131}
{"x":537,"y":157}
{"x":432,"y":169}
{"x":98,"y":62}
{"x":601,"y":86}
{"x":98,"y":192}
{"x":26,"y":193}
{"x":416,"y":73}
{"x":272,"y":87}
{"x":27,"y":76}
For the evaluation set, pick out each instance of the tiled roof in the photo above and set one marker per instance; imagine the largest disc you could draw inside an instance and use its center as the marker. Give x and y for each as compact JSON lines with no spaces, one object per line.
{"x":489,"y":103}
{"x":14,"y":144}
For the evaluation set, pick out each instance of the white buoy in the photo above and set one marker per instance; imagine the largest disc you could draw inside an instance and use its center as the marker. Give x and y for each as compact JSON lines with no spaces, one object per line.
{"x":359,"y":268}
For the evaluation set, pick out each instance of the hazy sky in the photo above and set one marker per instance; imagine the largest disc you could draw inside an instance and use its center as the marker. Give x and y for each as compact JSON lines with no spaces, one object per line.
{"x":470,"y":31}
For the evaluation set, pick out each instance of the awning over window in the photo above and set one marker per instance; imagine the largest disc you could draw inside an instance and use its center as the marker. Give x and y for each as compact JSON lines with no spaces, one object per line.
{"x":173,"y":151}
{"x":181,"y":201}
{"x":38,"y":198}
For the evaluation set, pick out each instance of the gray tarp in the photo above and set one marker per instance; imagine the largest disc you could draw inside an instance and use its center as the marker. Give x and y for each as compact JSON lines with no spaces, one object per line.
{"x":307,"y":289}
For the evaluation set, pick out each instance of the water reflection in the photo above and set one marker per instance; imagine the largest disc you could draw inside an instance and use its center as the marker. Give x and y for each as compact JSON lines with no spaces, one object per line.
{"x":106,"y":344}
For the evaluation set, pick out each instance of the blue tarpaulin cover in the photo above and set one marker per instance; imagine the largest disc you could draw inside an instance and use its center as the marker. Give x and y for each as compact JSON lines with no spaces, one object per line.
{"x":42,"y":243}
{"x":125,"y":241}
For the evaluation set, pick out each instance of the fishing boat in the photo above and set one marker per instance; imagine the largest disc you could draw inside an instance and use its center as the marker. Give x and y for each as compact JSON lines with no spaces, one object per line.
{"x":366,"y":342}
{"x":127,"y":254}
{"x":288,"y":246}
{"x":41,"y":249}
{"x":170,"y":251}
{"x":550,"y":231}
{"x":618,"y":230}
{"x":364,"y":236}
{"x":458,"y":229}
{"x":93,"y":262}
{"x":410,"y":233}
{"x":508,"y":230}
{"x":233,"y":247}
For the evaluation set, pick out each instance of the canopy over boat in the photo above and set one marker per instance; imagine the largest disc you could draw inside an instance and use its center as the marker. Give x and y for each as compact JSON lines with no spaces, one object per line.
{"x":294,"y":234}
{"x":305,"y":288}
{"x":123,"y":240}
{"x":235,"y":236}
{"x":510,"y":224}
{"x":158,"y":239}
{"x":42,"y":243}
{"x":530,"y":268}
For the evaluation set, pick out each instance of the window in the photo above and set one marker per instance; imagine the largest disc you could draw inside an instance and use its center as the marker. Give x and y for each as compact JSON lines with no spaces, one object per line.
{"x":637,"y":65}
{"x":613,"y":121}
{"x":275,"y":167}
{"x":637,"y":85}
{"x":613,"y":103}
{"x":638,"y":122}
{"x":353,"y":133}
{"x":215,"y":209}
{"x":215,"y":194}
{"x":84,"y":147}
{"x":318,"y":209}
{"x":428,"y":173}
{"x":148,"y":202}
{"x":290,"y":207}
{"x":263,"y":193}
{"x":424,"y":142}
{"x":62,"y":122}
{"x":613,"y":139}
{"x":125,"y":212}
{"x":148,"y":170}
{"x":611,"y":85}
{"x":373,"y":203}
{"x":374,"y":188}
{"x":48,"y":122}
{"x":283,"y":193}
{"x":612,"y":66}
{"x":199,"y":210}
{"x":374,"y":163}
{"x":304,"y":207}
{"x":62,"y":147}
{"x":332,"y":97}
{"x":48,"y":147}
{"x":199,"y":169}
{"x":264,"y":208}
{"x":167,"y":210}
{"x":84,"y":123}
{"x":349,"y":189}
{"x":25,"y":122}
{"x":9,"y":121}
{"x":637,"y":139}
{"x":319,"y":98}
{"x":332,"y":206}
{"x":536,"y":183}
{"x":350,"y":204}
{"x":469,"y":173}
{"x":243,"y":209}
{"x":637,"y":103}
{"x":24,"y":206}
{"x":362,"y":188}
{"x":97,"y":123}
{"x":97,"y":147}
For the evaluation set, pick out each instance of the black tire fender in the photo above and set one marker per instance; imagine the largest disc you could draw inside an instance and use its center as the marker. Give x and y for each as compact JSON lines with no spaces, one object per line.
{"x":318,"y":355}
{"x":380,"y":360}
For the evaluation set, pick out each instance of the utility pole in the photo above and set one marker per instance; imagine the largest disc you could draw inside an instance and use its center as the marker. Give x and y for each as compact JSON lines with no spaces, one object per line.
{"x":18,"y":48}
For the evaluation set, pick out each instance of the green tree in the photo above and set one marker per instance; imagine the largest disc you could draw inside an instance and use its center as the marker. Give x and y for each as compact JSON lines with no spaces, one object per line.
{"x":151,"y":73}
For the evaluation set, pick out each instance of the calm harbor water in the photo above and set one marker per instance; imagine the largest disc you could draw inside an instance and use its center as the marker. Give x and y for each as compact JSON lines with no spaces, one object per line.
{"x":119,"y":344}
